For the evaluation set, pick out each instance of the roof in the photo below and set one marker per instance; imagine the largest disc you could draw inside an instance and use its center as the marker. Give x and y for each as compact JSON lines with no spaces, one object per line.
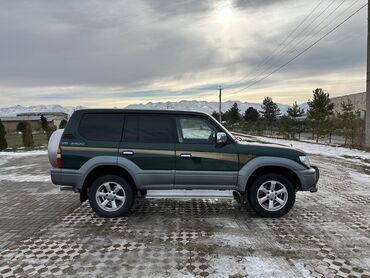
{"x":350,"y":95}
{"x":144,"y":111}
{"x":25,"y":118}
{"x":43,"y":113}
{"x":22,"y":118}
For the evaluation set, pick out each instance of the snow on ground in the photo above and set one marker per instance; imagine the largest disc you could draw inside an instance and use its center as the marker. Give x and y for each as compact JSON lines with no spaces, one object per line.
{"x":184,"y":238}
{"x":313,"y":148}
{"x":22,"y":154}
{"x":359,"y":181}
{"x":24,"y":178}
{"x":321,"y":149}
{"x":360,"y":178}
{"x":231,"y":266}
{"x":11,"y":168}
{"x":3,"y":161}
{"x":16,"y":172}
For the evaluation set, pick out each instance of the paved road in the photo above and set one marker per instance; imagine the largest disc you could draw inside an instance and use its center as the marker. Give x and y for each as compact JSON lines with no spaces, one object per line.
{"x":45,"y":232}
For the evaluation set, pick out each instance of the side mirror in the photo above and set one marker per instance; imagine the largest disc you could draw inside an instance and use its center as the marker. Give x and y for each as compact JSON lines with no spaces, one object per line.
{"x":221,"y":138}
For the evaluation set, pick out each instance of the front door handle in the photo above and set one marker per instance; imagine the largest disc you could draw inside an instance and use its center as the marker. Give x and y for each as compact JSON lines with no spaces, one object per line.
{"x":185,"y":155}
{"x":128,"y":153}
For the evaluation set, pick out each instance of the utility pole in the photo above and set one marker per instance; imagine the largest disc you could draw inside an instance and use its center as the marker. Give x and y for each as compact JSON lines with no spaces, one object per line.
{"x":367,"y":114}
{"x":219,"y":104}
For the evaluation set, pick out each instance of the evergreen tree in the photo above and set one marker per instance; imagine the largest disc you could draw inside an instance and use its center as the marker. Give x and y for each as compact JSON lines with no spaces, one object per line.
{"x":216,"y":115}
{"x":233,"y":114}
{"x":3,"y":142}
{"x":294,"y":113}
{"x":62,"y":124}
{"x":44,"y":123}
{"x":348,"y":121}
{"x":251,"y":115}
{"x":285,"y":126}
{"x":21,"y":126}
{"x":320,"y":108}
{"x":27,"y":136}
{"x":270,"y":111}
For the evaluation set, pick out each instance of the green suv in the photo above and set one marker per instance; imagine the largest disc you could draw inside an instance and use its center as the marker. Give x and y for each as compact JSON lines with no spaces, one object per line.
{"x":113,"y":156}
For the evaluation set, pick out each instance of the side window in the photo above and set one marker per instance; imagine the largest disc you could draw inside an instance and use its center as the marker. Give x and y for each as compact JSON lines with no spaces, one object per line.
{"x":101,"y":127}
{"x":149,"y":129}
{"x":131,"y":128}
{"x":195,"y":130}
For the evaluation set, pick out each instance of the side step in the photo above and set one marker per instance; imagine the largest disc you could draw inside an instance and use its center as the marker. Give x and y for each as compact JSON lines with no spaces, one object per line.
{"x":68,"y":188}
{"x":190,"y":194}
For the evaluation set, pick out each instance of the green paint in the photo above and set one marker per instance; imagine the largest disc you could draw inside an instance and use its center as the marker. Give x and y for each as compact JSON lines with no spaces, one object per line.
{"x":166,"y":156}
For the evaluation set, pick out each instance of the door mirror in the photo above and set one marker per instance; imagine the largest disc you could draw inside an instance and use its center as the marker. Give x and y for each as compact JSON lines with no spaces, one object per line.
{"x":221,"y":138}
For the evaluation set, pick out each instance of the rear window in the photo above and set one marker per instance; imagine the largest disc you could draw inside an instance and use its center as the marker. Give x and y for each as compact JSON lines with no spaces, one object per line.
{"x":101,"y":127}
{"x":149,"y":128}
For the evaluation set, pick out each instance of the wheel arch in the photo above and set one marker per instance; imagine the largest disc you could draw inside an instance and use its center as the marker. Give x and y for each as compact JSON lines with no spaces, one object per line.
{"x":286,"y":172}
{"x":263,"y":165}
{"x":105,"y":170}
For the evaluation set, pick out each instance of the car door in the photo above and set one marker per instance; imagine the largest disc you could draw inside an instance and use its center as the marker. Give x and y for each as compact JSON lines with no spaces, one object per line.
{"x":148,"y":142}
{"x":200,"y":163}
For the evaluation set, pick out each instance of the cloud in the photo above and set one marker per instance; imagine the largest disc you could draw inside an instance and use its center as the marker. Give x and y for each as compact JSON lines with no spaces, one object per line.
{"x":97,"y":51}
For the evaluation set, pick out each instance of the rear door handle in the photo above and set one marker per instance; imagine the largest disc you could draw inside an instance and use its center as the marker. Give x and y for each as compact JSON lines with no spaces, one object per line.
{"x":185,"y":155}
{"x":128,"y":153}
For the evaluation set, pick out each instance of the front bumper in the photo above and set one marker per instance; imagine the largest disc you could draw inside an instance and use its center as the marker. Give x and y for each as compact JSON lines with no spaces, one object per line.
{"x":309,"y":179}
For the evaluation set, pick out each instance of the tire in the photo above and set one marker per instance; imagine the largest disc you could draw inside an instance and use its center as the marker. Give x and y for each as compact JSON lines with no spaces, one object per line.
{"x":111,"y":196}
{"x":271,"y":203}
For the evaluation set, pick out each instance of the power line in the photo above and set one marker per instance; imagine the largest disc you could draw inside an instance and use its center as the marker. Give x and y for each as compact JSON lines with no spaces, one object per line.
{"x":268,"y":58}
{"x":284,"y":51}
{"x":340,"y":14}
{"x":305,"y":50}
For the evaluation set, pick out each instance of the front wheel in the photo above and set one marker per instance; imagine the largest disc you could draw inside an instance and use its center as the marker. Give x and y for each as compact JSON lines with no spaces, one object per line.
{"x":111,"y":196}
{"x":271,"y":195}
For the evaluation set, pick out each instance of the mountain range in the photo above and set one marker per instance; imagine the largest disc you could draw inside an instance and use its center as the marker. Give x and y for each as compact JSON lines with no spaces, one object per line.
{"x":17,"y":109}
{"x":205,"y":106}
{"x":189,"y":105}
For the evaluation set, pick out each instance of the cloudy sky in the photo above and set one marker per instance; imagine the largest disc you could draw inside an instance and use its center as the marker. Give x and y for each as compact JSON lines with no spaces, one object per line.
{"x":114,"y":53}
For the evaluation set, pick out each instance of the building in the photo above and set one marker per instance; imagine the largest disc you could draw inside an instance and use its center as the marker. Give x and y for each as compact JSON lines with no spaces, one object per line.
{"x":358,"y":100}
{"x":53,"y":118}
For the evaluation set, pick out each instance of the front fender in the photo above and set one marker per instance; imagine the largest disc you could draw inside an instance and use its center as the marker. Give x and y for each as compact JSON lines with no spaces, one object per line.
{"x":248,"y":169}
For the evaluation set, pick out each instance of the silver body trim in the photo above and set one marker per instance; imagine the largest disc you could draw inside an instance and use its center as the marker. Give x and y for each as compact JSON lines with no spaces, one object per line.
{"x":166,"y":179}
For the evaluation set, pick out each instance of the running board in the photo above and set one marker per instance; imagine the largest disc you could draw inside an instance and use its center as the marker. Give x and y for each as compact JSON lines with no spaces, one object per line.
{"x":187,"y":194}
{"x":68,"y":188}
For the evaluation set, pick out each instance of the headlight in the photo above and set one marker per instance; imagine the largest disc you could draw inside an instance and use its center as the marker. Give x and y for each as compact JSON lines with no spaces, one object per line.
{"x":304,"y":159}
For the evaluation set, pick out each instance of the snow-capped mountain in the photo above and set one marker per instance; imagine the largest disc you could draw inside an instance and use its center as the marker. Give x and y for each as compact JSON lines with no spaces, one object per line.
{"x":187,"y":105}
{"x":204,"y":106}
{"x":14,"y":110}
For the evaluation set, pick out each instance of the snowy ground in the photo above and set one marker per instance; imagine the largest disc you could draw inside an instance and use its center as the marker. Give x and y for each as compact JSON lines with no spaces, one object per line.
{"x":45,"y":232}
{"x":354,"y":155}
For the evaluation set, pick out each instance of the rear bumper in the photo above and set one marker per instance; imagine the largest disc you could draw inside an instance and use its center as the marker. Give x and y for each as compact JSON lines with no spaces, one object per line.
{"x":309,"y":179}
{"x":66,"y":177}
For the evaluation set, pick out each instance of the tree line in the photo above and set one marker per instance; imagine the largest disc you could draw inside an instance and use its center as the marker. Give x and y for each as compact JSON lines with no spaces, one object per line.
{"x":25,"y":128}
{"x":319,"y":120}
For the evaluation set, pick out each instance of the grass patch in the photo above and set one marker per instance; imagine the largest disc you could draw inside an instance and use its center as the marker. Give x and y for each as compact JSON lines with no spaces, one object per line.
{"x":15,"y":140}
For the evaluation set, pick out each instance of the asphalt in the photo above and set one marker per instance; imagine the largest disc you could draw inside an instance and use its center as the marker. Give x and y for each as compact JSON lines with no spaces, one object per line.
{"x":46,"y":232}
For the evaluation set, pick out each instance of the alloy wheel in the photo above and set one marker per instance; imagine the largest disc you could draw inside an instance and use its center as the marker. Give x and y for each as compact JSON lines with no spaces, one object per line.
{"x":272,"y":195}
{"x":110,"y":196}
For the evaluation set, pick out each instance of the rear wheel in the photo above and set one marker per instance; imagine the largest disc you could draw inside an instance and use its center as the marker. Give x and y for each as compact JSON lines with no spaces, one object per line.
{"x":271,"y":195}
{"x":111,"y":196}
